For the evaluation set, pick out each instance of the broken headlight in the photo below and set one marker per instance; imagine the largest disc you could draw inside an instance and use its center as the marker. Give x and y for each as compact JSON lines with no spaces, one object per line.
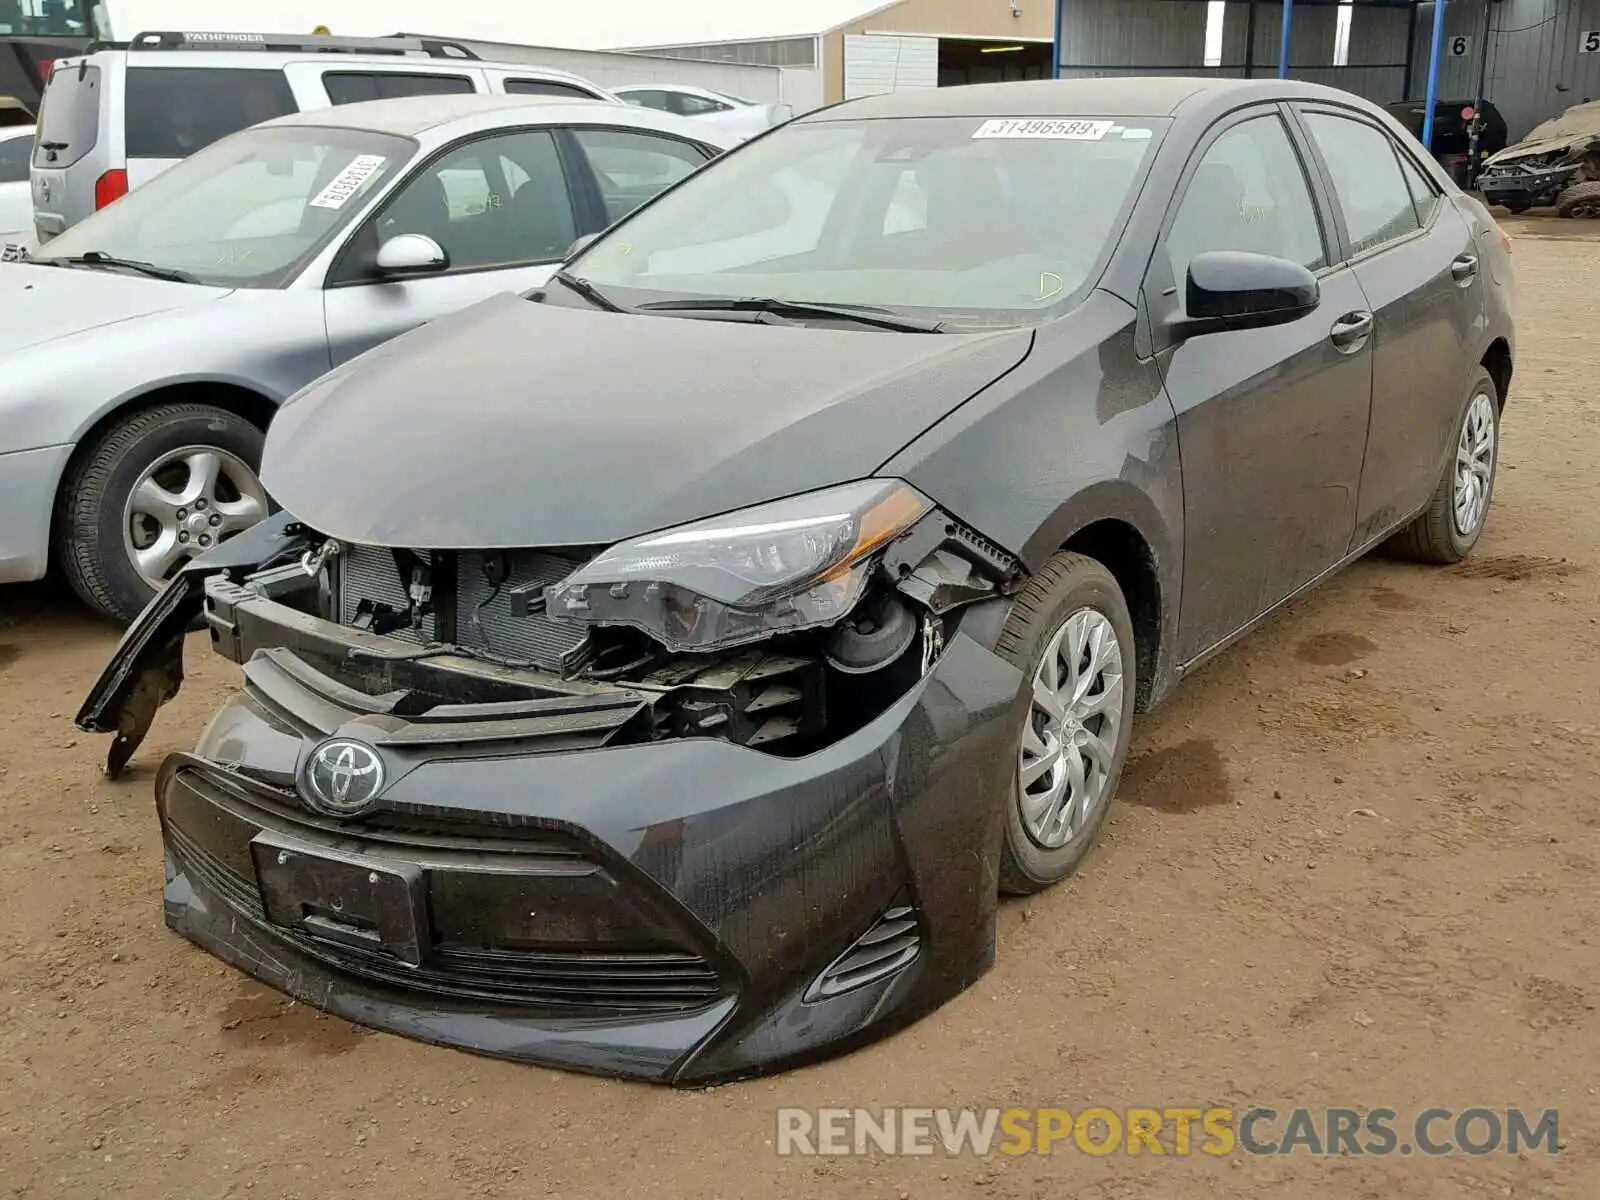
{"x":776,"y":568}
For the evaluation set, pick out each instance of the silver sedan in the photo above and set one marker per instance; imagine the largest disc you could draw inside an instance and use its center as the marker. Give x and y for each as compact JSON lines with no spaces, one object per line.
{"x":145,"y":350}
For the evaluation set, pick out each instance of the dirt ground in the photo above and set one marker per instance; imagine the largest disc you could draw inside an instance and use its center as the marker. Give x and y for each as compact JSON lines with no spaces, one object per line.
{"x":1354,"y":864}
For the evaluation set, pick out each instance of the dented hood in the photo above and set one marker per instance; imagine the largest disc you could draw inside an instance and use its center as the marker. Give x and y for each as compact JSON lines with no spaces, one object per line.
{"x":521,"y":424}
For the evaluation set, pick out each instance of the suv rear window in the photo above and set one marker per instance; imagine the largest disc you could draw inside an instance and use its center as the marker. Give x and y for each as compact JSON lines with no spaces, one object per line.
{"x":353,"y":87}
{"x":174,"y":111}
{"x":69,"y":117}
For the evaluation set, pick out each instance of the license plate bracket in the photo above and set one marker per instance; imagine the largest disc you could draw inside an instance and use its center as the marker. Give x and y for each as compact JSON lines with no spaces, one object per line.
{"x":349,"y":899}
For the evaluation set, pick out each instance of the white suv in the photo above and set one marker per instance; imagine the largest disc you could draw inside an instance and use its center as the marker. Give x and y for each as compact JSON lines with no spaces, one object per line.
{"x":114,"y":119}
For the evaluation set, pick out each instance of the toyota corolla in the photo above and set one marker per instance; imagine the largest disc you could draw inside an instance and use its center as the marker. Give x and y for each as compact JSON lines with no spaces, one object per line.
{"x":662,"y":673}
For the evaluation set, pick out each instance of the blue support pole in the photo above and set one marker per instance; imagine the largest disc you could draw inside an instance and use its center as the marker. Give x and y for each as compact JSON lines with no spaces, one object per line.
{"x":1055,"y":53}
{"x":1433,"y":72}
{"x":1283,"y":45}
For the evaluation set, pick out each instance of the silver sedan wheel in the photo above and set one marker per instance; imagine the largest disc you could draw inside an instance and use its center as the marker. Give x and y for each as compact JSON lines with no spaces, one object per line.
{"x":185,"y":503}
{"x":1474,"y":465}
{"x":1069,"y":744}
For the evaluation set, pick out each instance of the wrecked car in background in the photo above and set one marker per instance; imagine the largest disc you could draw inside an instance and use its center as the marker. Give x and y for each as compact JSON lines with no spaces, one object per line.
{"x":1557,"y":164}
{"x":663,"y":673}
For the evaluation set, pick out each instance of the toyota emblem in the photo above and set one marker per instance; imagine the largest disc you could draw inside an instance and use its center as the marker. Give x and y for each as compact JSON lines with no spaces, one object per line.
{"x":342,"y":778}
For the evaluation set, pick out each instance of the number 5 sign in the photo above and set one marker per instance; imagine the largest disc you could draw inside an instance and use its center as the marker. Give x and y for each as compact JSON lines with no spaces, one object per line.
{"x":1460,"y":45}
{"x":1589,"y":42}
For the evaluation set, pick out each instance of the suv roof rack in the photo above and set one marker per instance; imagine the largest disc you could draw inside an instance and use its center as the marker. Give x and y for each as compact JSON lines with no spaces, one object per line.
{"x":297,"y":43}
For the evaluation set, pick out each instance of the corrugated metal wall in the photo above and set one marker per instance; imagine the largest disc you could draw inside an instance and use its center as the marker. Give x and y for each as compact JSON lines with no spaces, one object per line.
{"x":1167,"y":37}
{"x":1534,"y":52}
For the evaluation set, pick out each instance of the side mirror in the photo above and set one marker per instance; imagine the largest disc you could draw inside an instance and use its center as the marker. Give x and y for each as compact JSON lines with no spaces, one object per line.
{"x":411,"y":254}
{"x":573,"y":249}
{"x":1231,"y":290}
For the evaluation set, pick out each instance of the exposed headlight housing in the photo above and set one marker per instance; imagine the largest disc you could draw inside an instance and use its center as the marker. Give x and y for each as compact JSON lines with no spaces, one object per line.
{"x":776,"y":568}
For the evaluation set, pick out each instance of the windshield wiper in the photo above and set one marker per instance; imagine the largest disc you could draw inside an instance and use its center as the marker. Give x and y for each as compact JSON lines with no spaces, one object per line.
{"x":98,"y":258}
{"x":859,"y":314}
{"x":589,"y":292}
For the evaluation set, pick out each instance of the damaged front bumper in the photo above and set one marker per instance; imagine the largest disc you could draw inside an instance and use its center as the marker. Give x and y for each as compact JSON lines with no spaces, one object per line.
{"x":525,"y":884}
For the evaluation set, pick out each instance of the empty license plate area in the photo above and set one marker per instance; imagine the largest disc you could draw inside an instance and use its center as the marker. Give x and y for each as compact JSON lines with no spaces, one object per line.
{"x":345,"y":898}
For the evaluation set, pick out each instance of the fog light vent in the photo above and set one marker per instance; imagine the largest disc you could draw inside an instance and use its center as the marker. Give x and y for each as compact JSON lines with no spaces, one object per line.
{"x":891,"y":943}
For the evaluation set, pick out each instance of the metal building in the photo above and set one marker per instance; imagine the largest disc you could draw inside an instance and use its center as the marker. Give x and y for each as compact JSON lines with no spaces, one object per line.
{"x":1540,"y":56}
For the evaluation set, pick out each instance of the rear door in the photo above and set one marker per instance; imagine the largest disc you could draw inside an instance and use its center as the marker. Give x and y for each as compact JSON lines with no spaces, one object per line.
{"x":169,"y":112}
{"x":65,"y":147}
{"x":1418,"y":264}
{"x":505,"y":208}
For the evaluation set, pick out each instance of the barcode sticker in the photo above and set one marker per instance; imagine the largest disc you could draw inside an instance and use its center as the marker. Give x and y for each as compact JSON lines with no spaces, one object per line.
{"x":348,"y":182}
{"x":1054,"y":130}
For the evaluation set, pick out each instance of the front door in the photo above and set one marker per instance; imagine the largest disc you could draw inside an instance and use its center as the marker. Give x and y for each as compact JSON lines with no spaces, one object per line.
{"x":1272,"y":423}
{"x":501,"y":207}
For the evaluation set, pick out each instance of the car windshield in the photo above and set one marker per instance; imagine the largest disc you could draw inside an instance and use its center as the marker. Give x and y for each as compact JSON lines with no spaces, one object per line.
{"x":970,"y":221}
{"x":247,"y":211}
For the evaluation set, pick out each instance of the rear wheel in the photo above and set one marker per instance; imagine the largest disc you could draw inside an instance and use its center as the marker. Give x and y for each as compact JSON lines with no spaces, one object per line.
{"x":1581,"y":200}
{"x":151,"y":493}
{"x":1070,"y":634}
{"x":1449,"y":528}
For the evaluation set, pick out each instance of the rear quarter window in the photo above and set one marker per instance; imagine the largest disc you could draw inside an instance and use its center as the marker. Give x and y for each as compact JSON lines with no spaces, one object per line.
{"x":69,"y":117}
{"x":173,"y":111}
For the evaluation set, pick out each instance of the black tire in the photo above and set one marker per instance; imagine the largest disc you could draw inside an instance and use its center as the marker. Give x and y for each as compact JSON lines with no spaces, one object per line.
{"x":1580,"y":200}
{"x":89,"y":543}
{"x":1516,"y":210}
{"x":1433,"y":536}
{"x":1065,"y":584}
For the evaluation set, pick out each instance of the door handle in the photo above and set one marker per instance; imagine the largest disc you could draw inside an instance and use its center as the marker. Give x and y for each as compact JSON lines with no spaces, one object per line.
{"x":1465,"y":268}
{"x":1350,"y":332}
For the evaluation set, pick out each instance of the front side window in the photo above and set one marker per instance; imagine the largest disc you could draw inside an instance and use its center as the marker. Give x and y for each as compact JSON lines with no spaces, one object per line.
{"x":498,"y":201}
{"x":1372,"y":192}
{"x":964,"y":219}
{"x":650,"y":99}
{"x":171,"y":112}
{"x":689,"y":105}
{"x":632,"y":167}
{"x":248,"y":211}
{"x":1249,"y":193}
{"x":353,"y":87}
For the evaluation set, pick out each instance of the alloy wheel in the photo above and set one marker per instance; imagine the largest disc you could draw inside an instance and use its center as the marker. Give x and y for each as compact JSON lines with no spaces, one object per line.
{"x":1069,"y":743}
{"x":185,"y":503}
{"x":1474,"y":465}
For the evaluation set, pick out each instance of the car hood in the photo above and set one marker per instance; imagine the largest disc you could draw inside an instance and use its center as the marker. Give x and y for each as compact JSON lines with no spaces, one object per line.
{"x":519,"y":424}
{"x":43,"y":303}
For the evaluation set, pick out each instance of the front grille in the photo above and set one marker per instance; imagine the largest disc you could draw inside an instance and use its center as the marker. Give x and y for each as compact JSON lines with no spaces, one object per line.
{"x":482,"y":606}
{"x":614,"y":981}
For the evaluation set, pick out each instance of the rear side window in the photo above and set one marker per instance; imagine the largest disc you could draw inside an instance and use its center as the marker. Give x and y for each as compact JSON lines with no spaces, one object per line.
{"x":1423,"y":194}
{"x":173,"y":111}
{"x":1372,"y":192}
{"x":14,"y":154}
{"x":545,"y":87}
{"x":69,"y":119}
{"x":353,"y":87}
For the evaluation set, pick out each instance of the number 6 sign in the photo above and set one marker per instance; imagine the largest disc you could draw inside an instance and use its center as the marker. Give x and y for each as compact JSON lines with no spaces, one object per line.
{"x":1460,"y":45}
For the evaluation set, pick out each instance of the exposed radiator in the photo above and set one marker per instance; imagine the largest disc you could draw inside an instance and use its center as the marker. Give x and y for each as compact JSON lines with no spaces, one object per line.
{"x":369,"y":573}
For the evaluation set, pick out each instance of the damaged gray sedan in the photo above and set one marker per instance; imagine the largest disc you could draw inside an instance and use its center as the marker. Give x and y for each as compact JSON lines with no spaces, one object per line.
{"x":663,"y":673}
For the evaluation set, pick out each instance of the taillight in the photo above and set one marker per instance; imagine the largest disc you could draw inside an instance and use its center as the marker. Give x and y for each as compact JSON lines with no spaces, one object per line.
{"x":110,"y":187}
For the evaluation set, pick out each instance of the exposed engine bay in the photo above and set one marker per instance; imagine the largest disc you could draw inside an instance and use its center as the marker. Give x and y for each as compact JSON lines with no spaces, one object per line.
{"x":470,"y":633}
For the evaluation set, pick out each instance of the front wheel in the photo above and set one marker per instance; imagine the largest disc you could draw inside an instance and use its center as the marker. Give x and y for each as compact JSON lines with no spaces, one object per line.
{"x":1450,"y":526}
{"x":1070,"y":634}
{"x":151,"y":493}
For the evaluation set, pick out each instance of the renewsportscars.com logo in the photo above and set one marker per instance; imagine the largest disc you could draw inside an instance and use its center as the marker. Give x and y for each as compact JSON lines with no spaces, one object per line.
{"x":1378,"y":1132}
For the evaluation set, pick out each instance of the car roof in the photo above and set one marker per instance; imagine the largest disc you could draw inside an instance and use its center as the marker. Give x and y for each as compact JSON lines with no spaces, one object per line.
{"x":413,"y":116}
{"x":1122,"y":96}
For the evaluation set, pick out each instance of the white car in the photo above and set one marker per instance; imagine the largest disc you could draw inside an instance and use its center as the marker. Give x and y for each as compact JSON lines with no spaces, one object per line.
{"x":16,"y":202}
{"x":738,"y":117}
